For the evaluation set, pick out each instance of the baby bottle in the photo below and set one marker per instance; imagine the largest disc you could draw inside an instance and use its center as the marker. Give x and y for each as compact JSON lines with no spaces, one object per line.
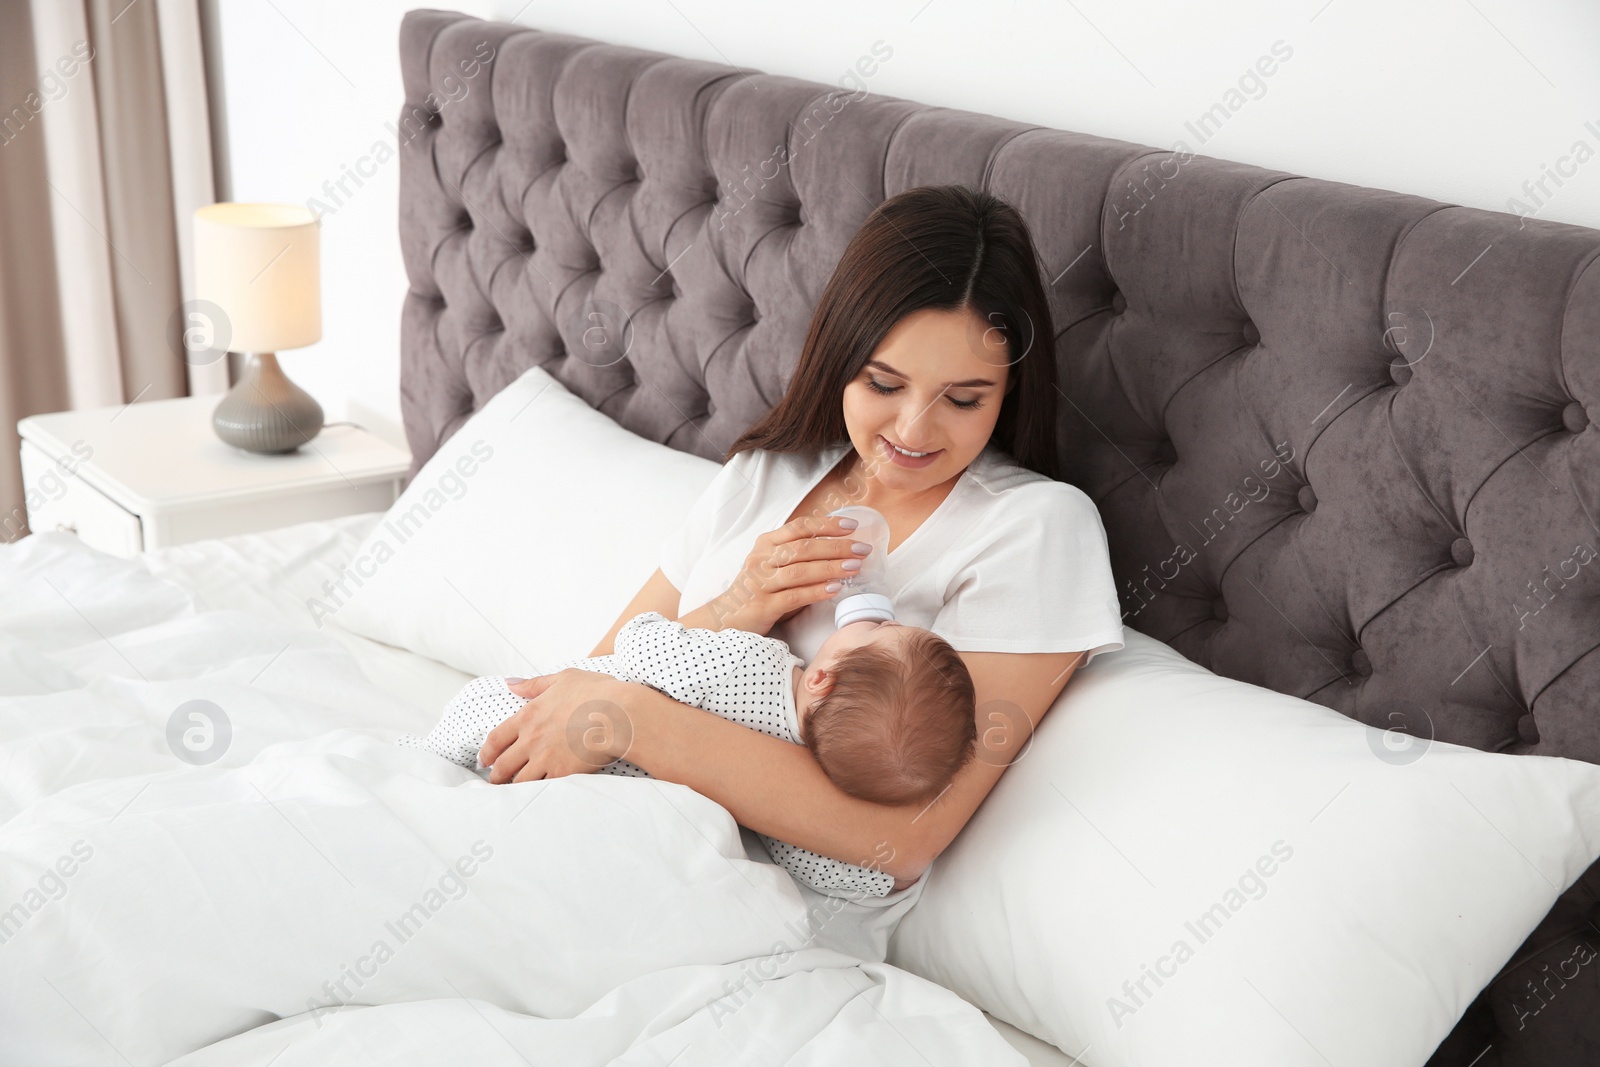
{"x":865,"y":595}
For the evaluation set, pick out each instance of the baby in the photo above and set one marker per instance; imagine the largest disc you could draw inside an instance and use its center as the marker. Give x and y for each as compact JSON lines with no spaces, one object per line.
{"x":886,"y":709}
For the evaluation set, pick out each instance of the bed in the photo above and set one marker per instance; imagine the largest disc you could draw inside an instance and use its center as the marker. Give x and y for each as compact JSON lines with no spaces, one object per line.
{"x":1339,"y":442}
{"x":1431,"y":368}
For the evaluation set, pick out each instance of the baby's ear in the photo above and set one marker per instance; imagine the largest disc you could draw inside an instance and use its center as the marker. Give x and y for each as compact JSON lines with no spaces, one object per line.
{"x":819,"y":681}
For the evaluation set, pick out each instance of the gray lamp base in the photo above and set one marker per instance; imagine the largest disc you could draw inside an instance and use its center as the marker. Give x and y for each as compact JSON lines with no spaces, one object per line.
{"x":265,"y":411}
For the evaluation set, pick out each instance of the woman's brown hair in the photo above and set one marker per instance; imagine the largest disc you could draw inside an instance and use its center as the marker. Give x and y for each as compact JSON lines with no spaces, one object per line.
{"x":934,"y":246}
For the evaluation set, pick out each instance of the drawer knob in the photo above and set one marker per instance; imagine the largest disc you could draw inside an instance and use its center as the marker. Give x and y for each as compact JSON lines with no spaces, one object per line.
{"x":67,"y":527}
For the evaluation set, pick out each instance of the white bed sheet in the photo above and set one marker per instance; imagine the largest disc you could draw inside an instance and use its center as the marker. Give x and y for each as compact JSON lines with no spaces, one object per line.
{"x":621,"y":920}
{"x":280,"y":572}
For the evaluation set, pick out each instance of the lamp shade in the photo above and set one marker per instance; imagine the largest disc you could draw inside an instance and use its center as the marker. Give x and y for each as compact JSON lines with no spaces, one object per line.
{"x":260,"y":264}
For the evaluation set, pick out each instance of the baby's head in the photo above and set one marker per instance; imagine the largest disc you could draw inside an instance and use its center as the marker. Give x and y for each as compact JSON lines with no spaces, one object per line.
{"x":887,"y":711}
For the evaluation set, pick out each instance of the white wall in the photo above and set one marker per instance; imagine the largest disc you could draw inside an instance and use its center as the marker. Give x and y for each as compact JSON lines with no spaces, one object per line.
{"x":1464,"y":101}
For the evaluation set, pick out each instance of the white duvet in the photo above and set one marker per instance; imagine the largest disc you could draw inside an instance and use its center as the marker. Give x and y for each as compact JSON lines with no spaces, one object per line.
{"x":317,"y":895}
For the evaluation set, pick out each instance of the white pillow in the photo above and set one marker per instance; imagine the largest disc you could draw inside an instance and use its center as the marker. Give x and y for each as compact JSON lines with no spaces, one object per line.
{"x":522,"y":539}
{"x":1360,"y":891}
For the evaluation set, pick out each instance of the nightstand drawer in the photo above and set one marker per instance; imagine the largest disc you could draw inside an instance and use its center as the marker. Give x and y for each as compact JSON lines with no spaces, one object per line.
{"x":66,"y":502}
{"x":225,"y":519}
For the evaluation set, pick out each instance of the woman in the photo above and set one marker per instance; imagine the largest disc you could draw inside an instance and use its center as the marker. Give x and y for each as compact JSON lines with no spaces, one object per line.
{"x":925,"y":389}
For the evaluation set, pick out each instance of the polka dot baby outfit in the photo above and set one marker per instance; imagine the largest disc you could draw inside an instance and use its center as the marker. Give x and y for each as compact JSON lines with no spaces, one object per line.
{"x":741,"y":676}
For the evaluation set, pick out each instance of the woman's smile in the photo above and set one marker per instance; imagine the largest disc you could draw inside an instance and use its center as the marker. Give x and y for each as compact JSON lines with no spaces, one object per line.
{"x":902,"y":457}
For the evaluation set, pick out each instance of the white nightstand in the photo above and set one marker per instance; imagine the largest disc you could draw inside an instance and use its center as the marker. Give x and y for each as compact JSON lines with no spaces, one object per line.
{"x":147,"y":475}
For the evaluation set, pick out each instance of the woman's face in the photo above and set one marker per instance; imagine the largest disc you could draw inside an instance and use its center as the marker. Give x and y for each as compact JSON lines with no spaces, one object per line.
{"x":934,"y":386}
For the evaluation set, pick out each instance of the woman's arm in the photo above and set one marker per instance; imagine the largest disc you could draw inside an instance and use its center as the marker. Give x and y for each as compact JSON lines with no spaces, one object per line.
{"x":659,"y":595}
{"x":778,"y":789}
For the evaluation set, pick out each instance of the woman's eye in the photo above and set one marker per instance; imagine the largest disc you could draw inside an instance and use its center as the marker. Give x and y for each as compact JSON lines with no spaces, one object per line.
{"x":885,"y":390}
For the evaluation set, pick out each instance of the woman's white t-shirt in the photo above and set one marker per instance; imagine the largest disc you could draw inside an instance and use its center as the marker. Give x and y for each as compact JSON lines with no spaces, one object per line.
{"x":1010,"y":561}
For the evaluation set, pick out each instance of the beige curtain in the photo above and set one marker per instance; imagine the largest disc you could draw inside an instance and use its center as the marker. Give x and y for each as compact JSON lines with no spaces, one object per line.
{"x":32,"y":377}
{"x":105,"y":152}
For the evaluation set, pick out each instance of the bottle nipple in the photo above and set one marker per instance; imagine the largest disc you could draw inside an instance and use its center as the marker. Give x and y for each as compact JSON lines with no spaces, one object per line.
{"x":865,"y":595}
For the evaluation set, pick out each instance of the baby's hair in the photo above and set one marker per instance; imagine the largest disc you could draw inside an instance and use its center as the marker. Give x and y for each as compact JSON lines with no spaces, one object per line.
{"x":895,"y":727}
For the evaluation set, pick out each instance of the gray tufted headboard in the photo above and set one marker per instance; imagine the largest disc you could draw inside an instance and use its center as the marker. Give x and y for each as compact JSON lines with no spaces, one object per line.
{"x":1339,"y":436}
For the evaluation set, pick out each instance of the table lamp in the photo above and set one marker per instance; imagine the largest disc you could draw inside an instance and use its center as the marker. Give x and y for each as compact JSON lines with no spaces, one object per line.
{"x":259,"y":265}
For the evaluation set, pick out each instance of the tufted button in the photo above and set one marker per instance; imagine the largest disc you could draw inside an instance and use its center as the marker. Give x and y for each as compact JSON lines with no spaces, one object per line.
{"x":1307,"y":498}
{"x":1361,"y":663}
{"x":1119,"y":303}
{"x":1399,"y":372}
{"x":1461,"y":551}
{"x":1528,"y":730}
{"x":1252,"y":336}
{"x":1574,"y":418}
{"x":1219,"y":609}
{"x":638,"y":172}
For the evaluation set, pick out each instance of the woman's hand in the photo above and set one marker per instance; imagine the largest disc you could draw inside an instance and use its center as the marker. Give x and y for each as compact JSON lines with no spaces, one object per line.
{"x":799,"y":564}
{"x":572,"y":724}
